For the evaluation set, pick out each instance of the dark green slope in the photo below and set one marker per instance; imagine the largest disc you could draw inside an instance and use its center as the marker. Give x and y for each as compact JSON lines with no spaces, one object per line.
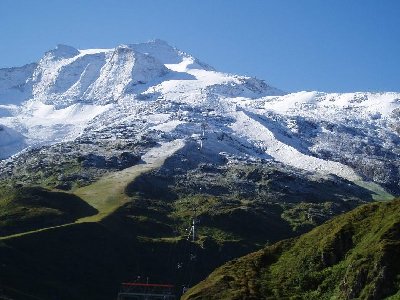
{"x":353,"y":256}
{"x":89,"y":260}
{"x":29,"y":208}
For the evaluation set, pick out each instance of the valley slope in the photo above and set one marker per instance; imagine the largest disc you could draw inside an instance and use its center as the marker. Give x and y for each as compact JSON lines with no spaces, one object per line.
{"x":353,"y":256}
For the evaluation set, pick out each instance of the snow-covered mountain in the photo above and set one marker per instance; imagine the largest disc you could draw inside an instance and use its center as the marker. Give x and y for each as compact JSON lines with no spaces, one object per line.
{"x":152,"y":90}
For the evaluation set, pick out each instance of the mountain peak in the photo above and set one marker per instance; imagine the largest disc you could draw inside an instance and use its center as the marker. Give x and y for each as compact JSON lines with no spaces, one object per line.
{"x":63,"y":51}
{"x":168,"y":54}
{"x":159,"y":42}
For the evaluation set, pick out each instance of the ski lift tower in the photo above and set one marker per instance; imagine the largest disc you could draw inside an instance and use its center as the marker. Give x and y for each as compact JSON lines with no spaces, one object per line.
{"x":192,"y":230}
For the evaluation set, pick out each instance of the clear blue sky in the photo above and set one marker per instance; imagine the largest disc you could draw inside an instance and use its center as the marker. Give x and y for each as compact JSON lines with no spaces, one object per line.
{"x":328,"y":45}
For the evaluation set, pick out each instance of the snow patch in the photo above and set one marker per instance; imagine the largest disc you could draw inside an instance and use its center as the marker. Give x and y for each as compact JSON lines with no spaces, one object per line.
{"x":288,"y":154}
{"x":166,"y":149}
{"x":167,"y":126}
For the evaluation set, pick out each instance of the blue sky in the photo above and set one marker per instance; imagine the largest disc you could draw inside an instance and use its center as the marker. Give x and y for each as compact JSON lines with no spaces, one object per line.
{"x":327,"y":45}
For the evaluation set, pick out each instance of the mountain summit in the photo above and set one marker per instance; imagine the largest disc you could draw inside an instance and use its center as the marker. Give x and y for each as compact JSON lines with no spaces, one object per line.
{"x":66,"y":75}
{"x":155,"y":90}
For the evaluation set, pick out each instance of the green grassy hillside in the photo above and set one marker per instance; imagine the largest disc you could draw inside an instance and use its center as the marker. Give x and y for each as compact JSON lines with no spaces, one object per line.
{"x":29,"y":208}
{"x":353,"y":256}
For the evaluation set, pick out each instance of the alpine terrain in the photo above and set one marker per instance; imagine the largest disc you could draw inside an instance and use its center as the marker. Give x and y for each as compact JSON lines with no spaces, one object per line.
{"x":143,"y":162}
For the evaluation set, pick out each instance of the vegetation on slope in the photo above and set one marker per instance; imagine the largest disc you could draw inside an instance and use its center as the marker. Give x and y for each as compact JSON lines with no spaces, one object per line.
{"x":90,"y":260}
{"x":355,"y":255}
{"x":140,"y":228}
{"x":29,"y":208}
{"x":257,"y":203}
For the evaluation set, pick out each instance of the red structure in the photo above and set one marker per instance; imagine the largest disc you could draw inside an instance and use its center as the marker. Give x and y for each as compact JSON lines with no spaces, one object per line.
{"x":146,"y":291}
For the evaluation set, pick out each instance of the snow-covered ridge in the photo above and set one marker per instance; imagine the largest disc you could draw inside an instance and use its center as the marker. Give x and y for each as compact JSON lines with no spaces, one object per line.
{"x":14,"y":84}
{"x":66,"y":75}
{"x":287,"y":151}
{"x":155,"y":90}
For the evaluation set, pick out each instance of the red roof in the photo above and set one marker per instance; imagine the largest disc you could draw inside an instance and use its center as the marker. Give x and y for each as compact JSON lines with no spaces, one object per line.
{"x":147,"y":284}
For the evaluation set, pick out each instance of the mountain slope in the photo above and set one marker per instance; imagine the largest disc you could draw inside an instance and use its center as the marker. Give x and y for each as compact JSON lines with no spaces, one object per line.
{"x":149,"y":136}
{"x":155,"y":91}
{"x":355,"y":255}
